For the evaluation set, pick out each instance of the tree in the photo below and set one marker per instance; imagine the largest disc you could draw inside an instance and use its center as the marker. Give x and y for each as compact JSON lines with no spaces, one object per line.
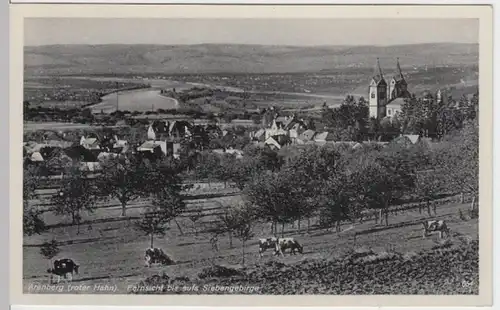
{"x":309,"y":171}
{"x":349,"y":121}
{"x":243,"y":228}
{"x":194,"y":216}
{"x":275,"y":198}
{"x":32,"y":220}
{"x":384,"y":178}
{"x":242,"y":170}
{"x":340,"y":199}
{"x":76,"y":194}
{"x":208,"y":166}
{"x":49,"y":250}
{"x":227,"y":223}
{"x":164,"y":176}
{"x":166,"y":205}
{"x":428,"y":186}
{"x":267,"y":158}
{"x":124,"y":179}
{"x":463,"y":152}
{"x":389,"y":128}
{"x":31,"y":180}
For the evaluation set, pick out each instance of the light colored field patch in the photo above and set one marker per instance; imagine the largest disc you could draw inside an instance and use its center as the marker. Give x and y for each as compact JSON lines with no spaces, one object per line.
{"x":34,"y":126}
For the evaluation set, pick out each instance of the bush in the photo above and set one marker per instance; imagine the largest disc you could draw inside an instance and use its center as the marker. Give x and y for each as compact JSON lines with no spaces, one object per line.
{"x":217,"y":271}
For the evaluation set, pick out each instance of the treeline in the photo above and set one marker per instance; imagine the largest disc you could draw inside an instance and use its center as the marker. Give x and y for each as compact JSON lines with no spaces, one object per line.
{"x":201,"y":92}
{"x":425,"y":116}
{"x":82,"y":90}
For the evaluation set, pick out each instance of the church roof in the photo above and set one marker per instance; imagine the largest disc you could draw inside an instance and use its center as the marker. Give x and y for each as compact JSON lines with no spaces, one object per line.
{"x":378,"y":79}
{"x":378,"y":76}
{"x":398,"y":102}
{"x":399,"y":76}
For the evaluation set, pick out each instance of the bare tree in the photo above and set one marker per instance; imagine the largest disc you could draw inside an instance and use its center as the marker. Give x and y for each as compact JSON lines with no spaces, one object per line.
{"x":165,"y":207}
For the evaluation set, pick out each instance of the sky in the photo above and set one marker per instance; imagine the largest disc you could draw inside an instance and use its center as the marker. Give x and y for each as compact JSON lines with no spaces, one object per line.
{"x":304,"y":32}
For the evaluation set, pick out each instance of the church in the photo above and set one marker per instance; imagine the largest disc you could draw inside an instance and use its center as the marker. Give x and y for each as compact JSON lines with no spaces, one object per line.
{"x":386,"y":98}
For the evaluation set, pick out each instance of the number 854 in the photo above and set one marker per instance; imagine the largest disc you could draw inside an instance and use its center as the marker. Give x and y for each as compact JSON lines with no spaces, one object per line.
{"x":466,"y":283}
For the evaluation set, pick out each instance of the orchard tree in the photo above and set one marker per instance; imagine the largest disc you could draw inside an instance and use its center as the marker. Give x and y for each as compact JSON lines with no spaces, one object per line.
{"x":124,"y":179}
{"x":164,"y":176}
{"x":267,"y":158}
{"x":461,"y":161}
{"x":385,"y":179}
{"x":309,"y":170}
{"x":275,"y":198}
{"x":194,"y":216}
{"x":31,"y":180}
{"x":428,"y":187}
{"x":244,"y":220}
{"x":208,"y":167}
{"x":242,"y":170}
{"x":32,"y":219}
{"x":167,"y":204}
{"x":227,"y":223}
{"x":76,"y":194}
{"x":49,"y":250}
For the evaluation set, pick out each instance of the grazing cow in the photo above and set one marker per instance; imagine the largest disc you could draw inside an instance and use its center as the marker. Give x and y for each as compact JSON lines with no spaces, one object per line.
{"x":288,"y":243}
{"x":435,"y":226}
{"x":63,"y":267}
{"x":157,"y":256}
{"x":267,"y":243}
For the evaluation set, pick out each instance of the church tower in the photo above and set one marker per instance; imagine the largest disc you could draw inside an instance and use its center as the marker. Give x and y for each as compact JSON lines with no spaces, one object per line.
{"x":377,"y":93}
{"x":397,"y":86}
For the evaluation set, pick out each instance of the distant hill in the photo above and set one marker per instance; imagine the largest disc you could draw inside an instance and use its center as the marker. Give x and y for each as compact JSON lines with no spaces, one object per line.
{"x":217,"y":58}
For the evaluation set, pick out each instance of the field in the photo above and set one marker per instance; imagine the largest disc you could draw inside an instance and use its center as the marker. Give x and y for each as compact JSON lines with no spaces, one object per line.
{"x":111,"y":251}
{"x":54,"y":126}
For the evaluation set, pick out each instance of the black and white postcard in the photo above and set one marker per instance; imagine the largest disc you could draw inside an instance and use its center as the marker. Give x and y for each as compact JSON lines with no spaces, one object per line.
{"x":271,"y":155}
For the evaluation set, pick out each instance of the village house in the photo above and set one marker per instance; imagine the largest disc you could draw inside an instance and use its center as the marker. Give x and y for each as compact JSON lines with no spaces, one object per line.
{"x":179,"y":129}
{"x":151,"y":150}
{"x":409,"y":140}
{"x":78,"y":153}
{"x":306,"y":136}
{"x":278,"y":126}
{"x":277,"y":142}
{"x":323,"y":137}
{"x":90,"y":143}
{"x":120,"y":146}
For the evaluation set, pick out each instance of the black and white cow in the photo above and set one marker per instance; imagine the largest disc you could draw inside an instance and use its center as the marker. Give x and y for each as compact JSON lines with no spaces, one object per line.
{"x":157,"y":256}
{"x":267,"y":243}
{"x":64,"y":267}
{"x":433,"y":226}
{"x":288,"y":243}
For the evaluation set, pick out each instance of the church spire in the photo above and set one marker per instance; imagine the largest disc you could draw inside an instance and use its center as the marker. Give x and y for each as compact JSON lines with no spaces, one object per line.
{"x":399,"y":69}
{"x":378,"y":70}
